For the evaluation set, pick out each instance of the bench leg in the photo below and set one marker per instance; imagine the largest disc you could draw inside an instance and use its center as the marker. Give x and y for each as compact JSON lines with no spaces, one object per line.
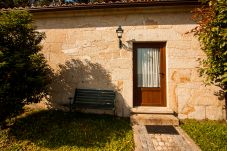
{"x":70,"y":107}
{"x":114,"y":112}
{"x":70,"y":104}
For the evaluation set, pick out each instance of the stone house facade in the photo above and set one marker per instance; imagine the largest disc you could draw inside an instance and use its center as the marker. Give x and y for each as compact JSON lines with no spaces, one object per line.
{"x":82,"y":46}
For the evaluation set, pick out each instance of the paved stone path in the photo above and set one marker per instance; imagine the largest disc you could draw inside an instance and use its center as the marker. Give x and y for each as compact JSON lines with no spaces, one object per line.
{"x":146,"y":140}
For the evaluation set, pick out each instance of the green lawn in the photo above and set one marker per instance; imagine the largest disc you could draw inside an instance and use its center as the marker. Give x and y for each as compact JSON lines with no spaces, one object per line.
{"x":209,"y":135}
{"x":57,"y":130}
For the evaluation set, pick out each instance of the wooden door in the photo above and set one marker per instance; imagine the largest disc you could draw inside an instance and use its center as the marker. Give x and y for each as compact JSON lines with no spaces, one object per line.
{"x":149,"y":74}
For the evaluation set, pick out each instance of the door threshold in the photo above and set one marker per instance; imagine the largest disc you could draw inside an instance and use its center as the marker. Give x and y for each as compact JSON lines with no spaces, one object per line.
{"x":151,"y":110}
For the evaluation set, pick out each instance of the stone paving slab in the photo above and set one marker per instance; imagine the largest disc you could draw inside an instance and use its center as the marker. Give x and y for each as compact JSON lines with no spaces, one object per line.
{"x":145,"y":141}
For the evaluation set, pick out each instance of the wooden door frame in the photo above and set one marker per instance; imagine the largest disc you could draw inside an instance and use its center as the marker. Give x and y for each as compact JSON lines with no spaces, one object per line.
{"x":147,"y":44}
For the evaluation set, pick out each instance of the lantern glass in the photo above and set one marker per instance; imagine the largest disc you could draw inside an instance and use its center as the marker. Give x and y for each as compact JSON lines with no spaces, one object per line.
{"x":119,"y":32}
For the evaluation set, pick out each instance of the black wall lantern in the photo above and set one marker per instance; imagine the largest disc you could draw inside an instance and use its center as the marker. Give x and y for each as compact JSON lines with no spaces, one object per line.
{"x":119,"y":32}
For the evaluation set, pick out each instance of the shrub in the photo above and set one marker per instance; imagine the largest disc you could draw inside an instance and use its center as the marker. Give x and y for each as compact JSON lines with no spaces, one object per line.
{"x":212,"y":32}
{"x":24,"y":73}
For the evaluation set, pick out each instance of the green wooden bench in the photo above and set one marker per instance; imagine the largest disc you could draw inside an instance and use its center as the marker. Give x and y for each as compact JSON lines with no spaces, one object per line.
{"x":93,"y":99}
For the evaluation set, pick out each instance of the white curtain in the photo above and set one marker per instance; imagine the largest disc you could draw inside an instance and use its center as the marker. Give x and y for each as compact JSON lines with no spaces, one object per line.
{"x":148,"y":67}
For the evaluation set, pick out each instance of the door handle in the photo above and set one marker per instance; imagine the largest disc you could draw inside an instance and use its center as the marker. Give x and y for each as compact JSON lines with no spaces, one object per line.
{"x":162,"y":74}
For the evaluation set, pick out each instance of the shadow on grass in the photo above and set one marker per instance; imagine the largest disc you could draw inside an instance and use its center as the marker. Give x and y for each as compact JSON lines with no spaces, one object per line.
{"x":54,"y":129}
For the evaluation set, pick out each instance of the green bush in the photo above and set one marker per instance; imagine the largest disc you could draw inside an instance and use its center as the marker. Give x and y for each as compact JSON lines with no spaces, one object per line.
{"x":24,"y":74}
{"x":21,"y":3}
{"x":212,"y":32}
{"x":42,"y":2}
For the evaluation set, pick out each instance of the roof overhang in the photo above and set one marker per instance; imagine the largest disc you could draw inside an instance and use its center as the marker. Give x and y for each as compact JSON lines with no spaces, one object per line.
{"x":132,"y":4}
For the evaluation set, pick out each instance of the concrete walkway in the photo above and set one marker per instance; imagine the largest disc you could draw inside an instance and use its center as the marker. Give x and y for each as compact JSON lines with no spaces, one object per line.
{"x":161,"y":138}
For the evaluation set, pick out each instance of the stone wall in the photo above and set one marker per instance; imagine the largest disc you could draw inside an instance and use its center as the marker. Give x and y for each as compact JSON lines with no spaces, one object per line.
{"x":82,"y":47}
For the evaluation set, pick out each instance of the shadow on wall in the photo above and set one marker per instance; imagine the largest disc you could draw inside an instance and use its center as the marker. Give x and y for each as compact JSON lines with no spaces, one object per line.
{"x":83,"y":74}
{"x":221,"y":94}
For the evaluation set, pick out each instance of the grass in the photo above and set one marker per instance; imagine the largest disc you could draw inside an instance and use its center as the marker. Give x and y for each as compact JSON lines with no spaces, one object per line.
{"x":57,"y":130}
{"x":209,"y":135}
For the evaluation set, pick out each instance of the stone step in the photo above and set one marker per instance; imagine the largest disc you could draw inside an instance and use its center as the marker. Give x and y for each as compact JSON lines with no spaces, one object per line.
{"x":151,"y":110}
{"x":154,"y":119}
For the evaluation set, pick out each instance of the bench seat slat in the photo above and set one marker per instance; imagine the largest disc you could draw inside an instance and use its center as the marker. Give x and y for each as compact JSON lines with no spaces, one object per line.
{"x":98,"y":90}
{"x":90,"y":106}
{"x":83,"y":102}
{"x":93,"y":104}
{"x":101,"y":94}
{"x":103,"y":103}
{"x":95,"y":95}
{"x":98,"y":102}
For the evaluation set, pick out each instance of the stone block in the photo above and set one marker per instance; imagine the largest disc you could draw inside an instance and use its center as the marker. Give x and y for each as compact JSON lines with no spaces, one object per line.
{"x":182,"y":116}
{"x":105,"y":55}
{"x":116,"y":55}
{"x":126,"y":54}
{"x":179,"y":44}
{"x":154,"y":119}
{"x":195,"y":76}
{"x":198,"y":114}
{"x":165,"y":26}
{"x":183,"y":29}
{"x":121,"y":64}
{"x":203,"y":96}
{"x":92,"y":35}
{"x":128,"y":92}
{"x":215,"y":112}
{"x":121,"y":74}
{"x":182,"y":52}
{"x":172,"y":100}
{"x":120,"y":85}
{"x":187,"y":109}
{"x":183,"y":62}
{"x":180,"y":75}
{"x":183,"y":100}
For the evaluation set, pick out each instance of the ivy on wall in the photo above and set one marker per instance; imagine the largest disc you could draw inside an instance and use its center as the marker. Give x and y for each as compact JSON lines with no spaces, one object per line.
{"x":212,"y":33}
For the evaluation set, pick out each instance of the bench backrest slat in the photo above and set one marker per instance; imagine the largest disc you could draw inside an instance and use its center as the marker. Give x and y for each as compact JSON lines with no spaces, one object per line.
{"x":95,"y":99}
{"x":94,"y":106}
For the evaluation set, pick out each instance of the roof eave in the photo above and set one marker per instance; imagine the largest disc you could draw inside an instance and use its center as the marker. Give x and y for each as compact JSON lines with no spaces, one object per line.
{"x":112,"y":5}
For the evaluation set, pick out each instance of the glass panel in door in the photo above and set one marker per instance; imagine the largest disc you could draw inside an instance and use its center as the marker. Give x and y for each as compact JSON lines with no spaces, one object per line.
{"x":148,"y":67}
